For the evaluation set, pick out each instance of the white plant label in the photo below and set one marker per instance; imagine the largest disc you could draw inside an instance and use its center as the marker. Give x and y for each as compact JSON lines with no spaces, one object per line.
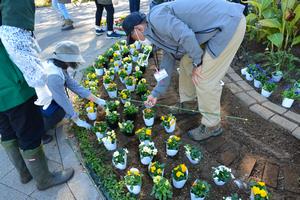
{"x":160,"y":75}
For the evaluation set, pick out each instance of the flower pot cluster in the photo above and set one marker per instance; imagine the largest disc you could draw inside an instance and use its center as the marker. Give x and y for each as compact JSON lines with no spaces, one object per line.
{"x":267,"y":82}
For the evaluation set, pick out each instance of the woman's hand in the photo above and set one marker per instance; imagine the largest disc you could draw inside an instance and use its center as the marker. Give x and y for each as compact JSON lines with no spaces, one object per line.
{"x":151,"y":101}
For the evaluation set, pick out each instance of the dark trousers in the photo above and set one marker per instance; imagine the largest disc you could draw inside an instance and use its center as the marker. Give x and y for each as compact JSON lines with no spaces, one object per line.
{"x":51,"y":121}
{"x":109,"y":15}
{"x":23,"y":123}
{"x":134,"y":5}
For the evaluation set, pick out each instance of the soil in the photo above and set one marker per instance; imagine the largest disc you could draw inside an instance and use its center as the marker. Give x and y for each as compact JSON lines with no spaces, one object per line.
{"x":256,"y":137}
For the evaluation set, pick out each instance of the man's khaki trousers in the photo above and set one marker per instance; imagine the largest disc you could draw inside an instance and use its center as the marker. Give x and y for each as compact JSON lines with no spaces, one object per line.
{"x":209,"y":90}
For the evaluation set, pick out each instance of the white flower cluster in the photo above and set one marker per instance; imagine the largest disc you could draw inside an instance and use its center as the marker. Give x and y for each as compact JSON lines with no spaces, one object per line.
{"x":110,"y":137}
{"x":148,"y":148}
{"x":222,"y":168}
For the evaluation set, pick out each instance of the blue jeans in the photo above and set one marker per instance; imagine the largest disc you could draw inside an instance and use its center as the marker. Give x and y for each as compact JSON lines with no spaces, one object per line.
{"x":134,"y":5}
{"x":61,"y":9}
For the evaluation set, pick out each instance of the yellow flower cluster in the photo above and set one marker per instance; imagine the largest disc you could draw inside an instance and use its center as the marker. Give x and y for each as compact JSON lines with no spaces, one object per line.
{"x":143,"y":80}
{"x":144,"y":130}
{"x":257,"y":191}
{"x":181,"y":169}
{"x":133,"y":172}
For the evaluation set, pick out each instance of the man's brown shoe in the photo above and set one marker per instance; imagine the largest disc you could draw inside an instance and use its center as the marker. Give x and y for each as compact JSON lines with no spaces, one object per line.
{"x":202,"y":132}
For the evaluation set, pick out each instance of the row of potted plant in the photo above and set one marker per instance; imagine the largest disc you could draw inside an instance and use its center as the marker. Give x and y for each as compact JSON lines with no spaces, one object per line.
{"x":255,"y":73}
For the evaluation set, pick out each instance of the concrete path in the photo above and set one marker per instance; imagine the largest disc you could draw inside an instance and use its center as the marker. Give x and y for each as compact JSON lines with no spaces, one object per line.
{"x":60,"y":152}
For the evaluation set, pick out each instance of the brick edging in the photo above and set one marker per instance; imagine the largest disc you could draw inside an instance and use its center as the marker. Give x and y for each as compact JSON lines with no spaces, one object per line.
{"x":262,"y":106}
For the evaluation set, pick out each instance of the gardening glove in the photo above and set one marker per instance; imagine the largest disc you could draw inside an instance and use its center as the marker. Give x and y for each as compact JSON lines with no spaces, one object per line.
{"x":81,"y":123}
{"x":100,"y":102}
{"x":44,"y":96}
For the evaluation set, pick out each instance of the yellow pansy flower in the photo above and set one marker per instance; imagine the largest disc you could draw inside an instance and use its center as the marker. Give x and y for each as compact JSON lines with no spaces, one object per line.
{"x":162,"y":118}
{"x":183,"y":167}
{"x":255,"y":190}
{"x":178,"y":174}
{"x":261,"y":183}
{"x":159,"y":171}
{"x":263,"y":193}
{"x":153,"y":168}
{"x":148,"y":132}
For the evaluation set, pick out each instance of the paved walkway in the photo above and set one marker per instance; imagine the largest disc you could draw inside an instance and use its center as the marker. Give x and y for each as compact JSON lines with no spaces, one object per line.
{"x":60,"y":152}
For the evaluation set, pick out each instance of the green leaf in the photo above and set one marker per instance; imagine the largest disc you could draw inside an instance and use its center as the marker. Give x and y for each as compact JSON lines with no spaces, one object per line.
{"x":296,"y":40}
{"x":265,"y":4}
{"x":250,"y":17}
{"x":271,"y":23}
{"x":297,"y":17}
{"x":276,"y":39}
{"x":269,"y":13}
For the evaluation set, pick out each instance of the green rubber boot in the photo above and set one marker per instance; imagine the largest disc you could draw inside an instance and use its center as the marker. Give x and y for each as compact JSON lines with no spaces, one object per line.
{"x":12,"y":149}
{"x":37,"y":164}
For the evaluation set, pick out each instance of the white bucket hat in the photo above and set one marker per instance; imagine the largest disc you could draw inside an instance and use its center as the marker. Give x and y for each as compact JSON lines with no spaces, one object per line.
{"x":67,"y":51}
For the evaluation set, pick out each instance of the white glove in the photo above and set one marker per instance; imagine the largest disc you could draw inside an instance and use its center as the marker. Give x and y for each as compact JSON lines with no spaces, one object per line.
{"x":44,"y":96}
{"x":81,"y":123}
{"x":100,"y":102}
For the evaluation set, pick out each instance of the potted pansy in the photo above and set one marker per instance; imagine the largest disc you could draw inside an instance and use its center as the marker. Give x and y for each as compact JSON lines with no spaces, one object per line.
{"x":110,"y":72}
{"x":112,"y":118}
{"x":259,"y":191}
{"x":119,"y":158}
{"x":199,"y":190}
{"x":268,"y":88}
{"x":222,"y":175}
{"x":138,"y":45}
{"x":145,"y":96}
{"x":130,"y":110}
{"x":112,"y":105}
{"x":138,"y":74}
{"x":110,"y":140}
{"x":130,"y":82}
{"x":112,"y":90}
{"x":133,"y":181}
{"x":91,"y":110}
{"x":156,"y":169}
{"x":244,"y":71}
{"x":143,"y":60}
{"x":148,"y":116}
{"x":162,"y":188}
{"x":99,"y":68}
{"x":135,"y":56}
{"x":99,"y":129}
{"x":109,"y":53}
{"x":131,"y":48}
{"x":127,"y":127}
{"x":193,"y":154}
{"x":289,"y":96}
{"x":260,"y":77}
{"x":251,"y":70}
{"x":169,"y":123}
{"x":179,"y":176}
{"x":91,"y":76}
{"x":124,"y":50}
{"x":147,"y":49}
{"x":147,"y":152}
{"x":141,"y":87}
{"x":106,"y":80}
{"x":296,"y":85}
{"x":232,"y":197}
{"x":128,"y":68}
{"x":144,"y":134}
{"x":172,"y":145}
{"x":124,"y":95}
{"x":122,"y":74}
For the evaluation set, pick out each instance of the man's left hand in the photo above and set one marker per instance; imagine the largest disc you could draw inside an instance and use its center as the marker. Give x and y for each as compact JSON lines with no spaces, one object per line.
{"x":197,"y":75}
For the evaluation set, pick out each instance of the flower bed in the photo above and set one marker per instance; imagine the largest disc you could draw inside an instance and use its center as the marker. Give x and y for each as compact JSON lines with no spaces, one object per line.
{"x":99,"y":160}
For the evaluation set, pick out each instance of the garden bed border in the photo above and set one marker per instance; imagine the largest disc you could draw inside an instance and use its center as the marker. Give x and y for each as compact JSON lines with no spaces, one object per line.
{"x":262,"y":106}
